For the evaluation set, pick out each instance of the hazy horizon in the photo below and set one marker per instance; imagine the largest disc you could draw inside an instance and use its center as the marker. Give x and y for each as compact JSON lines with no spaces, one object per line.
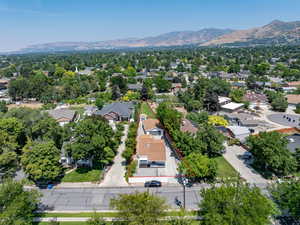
{"x":39,"y":21}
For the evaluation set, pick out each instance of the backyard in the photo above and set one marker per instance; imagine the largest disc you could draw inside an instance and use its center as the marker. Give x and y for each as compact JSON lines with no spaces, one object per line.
{"x":145,"y":109}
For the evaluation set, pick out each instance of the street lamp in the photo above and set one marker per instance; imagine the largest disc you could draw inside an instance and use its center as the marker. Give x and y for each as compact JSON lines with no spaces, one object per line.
{"x":184,"y":183}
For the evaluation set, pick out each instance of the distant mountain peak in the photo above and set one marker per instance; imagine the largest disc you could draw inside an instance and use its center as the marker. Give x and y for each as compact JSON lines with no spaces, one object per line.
{"x":175,"y":38}
{"x":276,"y":22}
{"x":275,"y":33}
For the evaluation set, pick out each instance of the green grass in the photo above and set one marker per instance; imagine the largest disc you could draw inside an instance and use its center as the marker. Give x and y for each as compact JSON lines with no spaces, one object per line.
{"x":145,"y":109}
{"x":224,"y":168}
{"x":83,"y":223}
{"x":62,"y":223}
{"x":83,"y":175}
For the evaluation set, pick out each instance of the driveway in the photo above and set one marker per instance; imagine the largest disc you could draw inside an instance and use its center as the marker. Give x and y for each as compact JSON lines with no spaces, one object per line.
{"x":115,"y":176}
{"x":233,"y":156}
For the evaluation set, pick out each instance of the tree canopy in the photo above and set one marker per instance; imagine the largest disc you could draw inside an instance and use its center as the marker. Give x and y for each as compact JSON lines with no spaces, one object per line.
{"x":270,"y":153}
{"x":140,"y":208}
{"x":235,"y":204}
{"x":17,"y":206}
{"x":40,"y":161}
{"x":93,"y":138}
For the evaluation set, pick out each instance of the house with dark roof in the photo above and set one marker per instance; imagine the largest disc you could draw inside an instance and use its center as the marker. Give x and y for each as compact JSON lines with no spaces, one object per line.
{"x":134,"y":87}
{"x":117,"y":111}
{"x":62,"y":115}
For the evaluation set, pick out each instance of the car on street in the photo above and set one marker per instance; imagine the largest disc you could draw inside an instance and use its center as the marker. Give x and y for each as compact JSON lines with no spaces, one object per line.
{"x":153,"y":183}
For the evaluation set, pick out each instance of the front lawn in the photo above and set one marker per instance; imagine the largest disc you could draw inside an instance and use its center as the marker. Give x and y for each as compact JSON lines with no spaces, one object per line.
{"x":145,"y":109}
{"x":224,"y":168}
{"x":83,"y":175}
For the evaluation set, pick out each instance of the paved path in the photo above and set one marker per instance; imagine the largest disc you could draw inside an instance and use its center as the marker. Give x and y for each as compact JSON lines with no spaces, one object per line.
{"x":115,"y":176}
{"x":233,"y":156}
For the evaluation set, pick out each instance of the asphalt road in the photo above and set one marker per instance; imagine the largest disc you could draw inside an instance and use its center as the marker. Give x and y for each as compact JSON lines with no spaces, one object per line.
{"x":87,"y":199}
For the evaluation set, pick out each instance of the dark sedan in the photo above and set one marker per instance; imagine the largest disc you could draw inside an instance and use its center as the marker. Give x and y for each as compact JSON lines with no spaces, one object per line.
{"x":153,"y":183}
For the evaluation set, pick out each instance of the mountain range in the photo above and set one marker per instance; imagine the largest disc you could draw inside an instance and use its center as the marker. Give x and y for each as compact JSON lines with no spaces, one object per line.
{"x":276,"y":32}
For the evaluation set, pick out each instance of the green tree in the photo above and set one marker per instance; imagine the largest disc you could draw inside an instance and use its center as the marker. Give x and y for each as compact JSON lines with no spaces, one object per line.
{"x":40,"y":161}
{"x":3,"y":107}
{"x":211,"y":101}
{"x":188,"y":143}
{"x":169,"y":117}
{"x":198,"y":167}
{"x":199,"y":118}
{"x":99,"y":103}
{"x":48,"y":129}
{"x":237,"y":95}
{"x":297,"y":157}
{"x":162,"y":85}
{"x":17,"y":206}
{"x":93,"y":139}
{"x":96,"y":220}
{"x":271,"y":154}
{"x":140,"y":208}
{"x":279,"y":104}
{"x":235,"y":204}
{"x":297,"y":110}
{"x":15,"y":128}
{"x":287,"y":197}
{"x":213,"y":140}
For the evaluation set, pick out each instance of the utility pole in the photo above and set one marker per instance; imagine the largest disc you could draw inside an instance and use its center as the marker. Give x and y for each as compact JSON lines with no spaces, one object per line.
{"x":184,"y":183}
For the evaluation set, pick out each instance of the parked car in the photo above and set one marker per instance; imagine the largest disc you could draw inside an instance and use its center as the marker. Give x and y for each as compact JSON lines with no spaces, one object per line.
{"x":153,"y":183}
{"x":247,"y":155}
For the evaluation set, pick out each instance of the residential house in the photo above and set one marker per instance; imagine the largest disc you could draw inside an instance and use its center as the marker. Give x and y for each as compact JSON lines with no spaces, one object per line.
{"x":238,"y":84}
{"x":176,"y":87}
{"x":255,"y":99}
{"x":89,"y":110}
{"x":86,"y":71}
{"x":293,"y":100}
{"x":228,"y":106}
{"x":232,"y":107}
{"x":117,"y":111}
{"x":239,"y":132}
{"x":223,"y":100}
{"x":152,"y":127}
{"x":150,"y":152}
{"x":62,"y":115}
{"x":242,"y":119}
{"x":135,"y":87}
{"x":288,"y":89}
{"x":293,"y":84}
{"x":4,"y":83}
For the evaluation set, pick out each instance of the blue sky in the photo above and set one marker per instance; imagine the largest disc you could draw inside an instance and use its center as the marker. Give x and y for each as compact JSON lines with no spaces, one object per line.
{"x":25,"y":22}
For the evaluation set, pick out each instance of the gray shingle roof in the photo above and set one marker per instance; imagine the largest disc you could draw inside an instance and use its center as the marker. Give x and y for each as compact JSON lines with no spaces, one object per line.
{"x":123,"y":109}
{"x":61,"y":113}
{"x":134,"y":86}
